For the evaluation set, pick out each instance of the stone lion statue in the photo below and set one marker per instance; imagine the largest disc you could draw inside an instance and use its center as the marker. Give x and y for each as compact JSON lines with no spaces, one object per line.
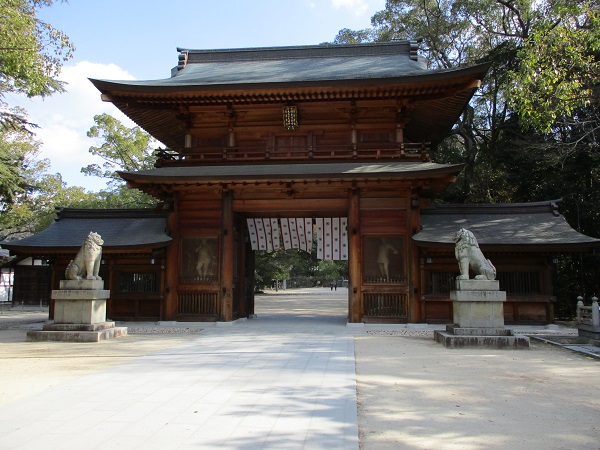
{"x":468,"y":254}
{"x":87,"y":262}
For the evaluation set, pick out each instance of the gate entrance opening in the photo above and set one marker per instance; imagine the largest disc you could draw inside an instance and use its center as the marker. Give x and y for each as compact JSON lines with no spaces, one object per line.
{"x":294,"y":282}
{"x":298,"y":252}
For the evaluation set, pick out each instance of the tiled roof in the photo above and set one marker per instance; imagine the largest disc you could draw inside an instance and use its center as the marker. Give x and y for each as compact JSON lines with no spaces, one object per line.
{"x":125,"y":229}
{"x":273,"y":65}
{"x":503,"y":225}
{"x":345,"y":171}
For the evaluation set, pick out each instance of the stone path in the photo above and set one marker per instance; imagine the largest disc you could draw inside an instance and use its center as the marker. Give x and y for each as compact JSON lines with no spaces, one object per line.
{"x":274,"y":382}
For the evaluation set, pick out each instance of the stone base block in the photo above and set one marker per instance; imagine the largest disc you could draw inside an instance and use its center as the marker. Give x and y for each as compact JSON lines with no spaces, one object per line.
{"x":469,"y":331}
{"x":86,"y":285}
{"x":76,"y":335}
{"x":477,"y":285}
{"x":478,"y":314}
{"x":78,"y":311}
{"x":80,"y":294}
{"x":588,"y":331}
{"x":478,"y":296}
{"x":450,"y":340}
{"x":78,"y":327}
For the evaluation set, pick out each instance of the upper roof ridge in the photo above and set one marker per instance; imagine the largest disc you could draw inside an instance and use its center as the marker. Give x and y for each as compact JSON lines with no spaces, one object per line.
{"x":326,"y":50}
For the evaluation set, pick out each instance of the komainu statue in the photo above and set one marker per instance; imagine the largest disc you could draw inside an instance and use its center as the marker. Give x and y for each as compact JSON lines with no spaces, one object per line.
{"x":87,"y":262}
{"x":469,"y":255}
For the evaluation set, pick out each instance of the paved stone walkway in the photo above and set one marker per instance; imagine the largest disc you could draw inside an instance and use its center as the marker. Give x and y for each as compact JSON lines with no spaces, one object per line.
{"x":274,"y":382}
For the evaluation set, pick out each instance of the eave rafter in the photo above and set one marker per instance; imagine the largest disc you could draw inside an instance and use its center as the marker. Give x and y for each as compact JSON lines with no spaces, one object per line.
{"x":267,"y":96}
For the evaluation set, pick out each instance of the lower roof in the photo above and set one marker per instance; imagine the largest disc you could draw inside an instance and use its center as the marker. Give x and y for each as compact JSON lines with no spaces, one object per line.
{"x":521,"y":226}
{"x":536,"y":225}
{"x":292,"y":172}
{"x":121,"y":229}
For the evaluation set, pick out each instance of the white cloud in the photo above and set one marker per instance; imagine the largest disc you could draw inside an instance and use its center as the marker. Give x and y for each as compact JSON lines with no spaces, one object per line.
{"x":65,"y":119}
{"x":359,"y":7}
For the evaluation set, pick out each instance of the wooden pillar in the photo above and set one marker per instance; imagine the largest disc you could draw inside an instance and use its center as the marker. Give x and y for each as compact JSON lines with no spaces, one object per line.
{"x":227,"y":255}
{"x":414,"y":295}
{"x":169,"y":309}
{"x":249,"y":266}
{"x":355,"y":307}
{"x":548,"y":289}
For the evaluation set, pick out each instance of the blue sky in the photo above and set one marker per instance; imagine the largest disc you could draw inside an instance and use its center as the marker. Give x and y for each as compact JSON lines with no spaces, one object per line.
{"x":137,"y":39}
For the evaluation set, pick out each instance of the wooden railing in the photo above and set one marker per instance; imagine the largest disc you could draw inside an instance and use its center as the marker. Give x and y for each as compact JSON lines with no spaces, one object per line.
{"x":516,"y":283}
{"x":198,"y":304}
{"x":137,"y":282}
{"x":386,"y":305}
{"x":191,"y":156}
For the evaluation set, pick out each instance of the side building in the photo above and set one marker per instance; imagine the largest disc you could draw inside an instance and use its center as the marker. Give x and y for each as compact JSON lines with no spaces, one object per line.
{"x":133,"y":259}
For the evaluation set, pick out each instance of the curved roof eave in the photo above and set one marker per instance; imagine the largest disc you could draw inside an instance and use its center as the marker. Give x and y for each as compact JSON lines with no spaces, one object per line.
{"x":503,"y":227}
{"x":119,"y":233}
{"x":175,"y":85}
{"x":341,"y":171}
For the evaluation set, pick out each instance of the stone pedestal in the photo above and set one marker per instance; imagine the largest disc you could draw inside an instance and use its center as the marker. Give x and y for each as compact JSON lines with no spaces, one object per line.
{"x":589,"y":332}
{"x":478,"y":304}
{"x":79,"y":314}
{"x":478,"y":307}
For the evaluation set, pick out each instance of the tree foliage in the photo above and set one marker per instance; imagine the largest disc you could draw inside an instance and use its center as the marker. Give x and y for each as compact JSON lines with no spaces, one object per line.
{"x":31,"y":55}
{"x":123,"y":149}
{"x":559,"y":65}
{"x":29,"y":192}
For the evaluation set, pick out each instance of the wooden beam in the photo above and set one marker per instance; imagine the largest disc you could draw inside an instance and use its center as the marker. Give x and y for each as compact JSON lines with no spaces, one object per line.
{"x":289,"y":204}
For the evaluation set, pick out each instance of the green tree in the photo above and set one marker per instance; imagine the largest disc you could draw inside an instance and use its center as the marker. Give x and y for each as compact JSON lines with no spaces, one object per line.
{"x":12,"y":166}
{"x":329,"y":271}
{"x":559,"y":65}
{"x":31,"y":193}
{"x":31,"y":55}
{"x":123,"y":149}
{"x":283,"y":265}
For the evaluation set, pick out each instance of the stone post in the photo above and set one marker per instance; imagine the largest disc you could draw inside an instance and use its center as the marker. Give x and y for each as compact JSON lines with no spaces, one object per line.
{"x":595,"y":312}
{"x":591,"y":329}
